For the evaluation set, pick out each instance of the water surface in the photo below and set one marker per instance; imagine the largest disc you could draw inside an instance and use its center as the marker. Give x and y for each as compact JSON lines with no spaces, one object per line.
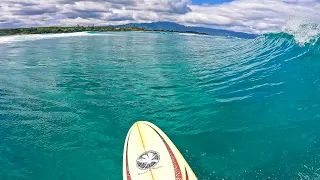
{"x":236,"y":108}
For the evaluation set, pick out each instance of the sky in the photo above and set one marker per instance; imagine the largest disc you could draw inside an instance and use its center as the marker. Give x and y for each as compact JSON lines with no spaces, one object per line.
{"x":251,"y":16}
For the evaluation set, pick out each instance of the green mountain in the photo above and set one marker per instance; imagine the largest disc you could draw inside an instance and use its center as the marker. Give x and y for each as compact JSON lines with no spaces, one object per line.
{"x":170,"y":26}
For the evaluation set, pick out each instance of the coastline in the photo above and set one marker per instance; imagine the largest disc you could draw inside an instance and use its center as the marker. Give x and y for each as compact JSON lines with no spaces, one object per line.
{"x":55,"y":30}
{"x":24,"y":37}
{"x":148,"y":31}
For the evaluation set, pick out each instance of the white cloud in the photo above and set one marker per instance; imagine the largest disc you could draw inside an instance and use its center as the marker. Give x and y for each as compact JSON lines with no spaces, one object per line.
{"x":256,"y":16}
{"x":78,"y":20}
{"x":253,"y":16}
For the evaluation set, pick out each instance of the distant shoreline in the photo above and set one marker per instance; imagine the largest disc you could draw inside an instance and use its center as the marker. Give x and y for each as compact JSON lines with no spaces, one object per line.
{"x":55,"y":30}
{"x":59,"y":30}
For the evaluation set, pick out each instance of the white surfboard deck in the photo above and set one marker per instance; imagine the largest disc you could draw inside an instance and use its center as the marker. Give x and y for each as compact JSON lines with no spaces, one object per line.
{"x":150,"y":155}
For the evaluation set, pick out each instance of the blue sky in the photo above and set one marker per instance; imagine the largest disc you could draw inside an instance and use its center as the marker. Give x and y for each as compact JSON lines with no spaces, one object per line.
{"x":251,"y":16}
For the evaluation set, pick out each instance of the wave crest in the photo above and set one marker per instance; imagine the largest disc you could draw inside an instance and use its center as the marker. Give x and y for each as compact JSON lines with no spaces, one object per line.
{"x":304,"y":29}
{"x":293,"y":39}
{"x":305,"y":33}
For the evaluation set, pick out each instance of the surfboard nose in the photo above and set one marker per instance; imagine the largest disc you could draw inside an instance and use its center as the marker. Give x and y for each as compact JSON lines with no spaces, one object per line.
{"x":150,"y":155}
{"x":140,"y":123}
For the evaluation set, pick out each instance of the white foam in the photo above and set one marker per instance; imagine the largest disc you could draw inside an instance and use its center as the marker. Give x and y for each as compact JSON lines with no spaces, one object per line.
{"x":305,"y":29}
{"x":192,"y":34}
{"x":32,"y":37}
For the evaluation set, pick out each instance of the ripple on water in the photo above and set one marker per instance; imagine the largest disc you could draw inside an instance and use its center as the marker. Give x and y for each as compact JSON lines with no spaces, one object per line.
{"x":248,"y":108}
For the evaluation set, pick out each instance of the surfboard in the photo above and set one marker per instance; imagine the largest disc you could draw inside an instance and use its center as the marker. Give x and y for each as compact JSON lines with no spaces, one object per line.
{"x":150,"y":155}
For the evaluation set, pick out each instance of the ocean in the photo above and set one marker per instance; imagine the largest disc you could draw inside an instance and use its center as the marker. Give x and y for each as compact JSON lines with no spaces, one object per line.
{"x":236,"y":108}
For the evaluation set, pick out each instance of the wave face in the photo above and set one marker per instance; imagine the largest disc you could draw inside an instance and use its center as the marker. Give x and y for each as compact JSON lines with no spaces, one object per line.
{"x":236,"y":108}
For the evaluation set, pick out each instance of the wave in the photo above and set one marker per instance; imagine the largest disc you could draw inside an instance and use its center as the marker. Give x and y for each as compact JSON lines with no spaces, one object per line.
{"x":208,"y":87}
{"x":303,"y":29}
{"x":283,"y":37}
{"x":299,"y":38}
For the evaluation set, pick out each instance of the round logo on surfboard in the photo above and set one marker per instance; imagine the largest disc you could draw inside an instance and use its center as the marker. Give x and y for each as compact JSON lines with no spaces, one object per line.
{"x":148,"y":160}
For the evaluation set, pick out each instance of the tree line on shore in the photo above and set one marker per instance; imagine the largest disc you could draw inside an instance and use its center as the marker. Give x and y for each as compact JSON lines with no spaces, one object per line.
{"x":47,"y":30}
{"x":50,"y":30}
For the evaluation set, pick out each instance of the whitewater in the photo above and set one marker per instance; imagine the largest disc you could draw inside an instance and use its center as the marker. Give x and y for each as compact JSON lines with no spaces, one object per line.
{"x":236,"y":108}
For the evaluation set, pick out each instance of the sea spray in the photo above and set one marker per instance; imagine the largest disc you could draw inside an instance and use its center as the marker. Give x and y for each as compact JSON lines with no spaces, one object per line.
{"x":304,"y":28}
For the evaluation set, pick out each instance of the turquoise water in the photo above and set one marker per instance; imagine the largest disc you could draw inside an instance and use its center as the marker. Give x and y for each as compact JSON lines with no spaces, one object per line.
{"x":236,"y":108}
